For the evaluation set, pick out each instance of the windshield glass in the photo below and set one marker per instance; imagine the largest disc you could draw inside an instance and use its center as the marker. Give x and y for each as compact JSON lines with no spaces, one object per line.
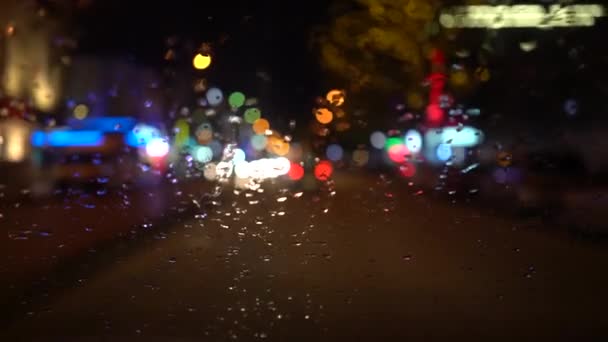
{"x":336,"y":170}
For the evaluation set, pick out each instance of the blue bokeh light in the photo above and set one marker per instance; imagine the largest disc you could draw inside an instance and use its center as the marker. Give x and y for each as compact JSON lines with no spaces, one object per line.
{"x":141,"y":134}
{"x":334,"y":152}
{"x":67,"y":138}
{"x":444,"y":152}
{"x":239,"y":156}
{"x":118,"y":124}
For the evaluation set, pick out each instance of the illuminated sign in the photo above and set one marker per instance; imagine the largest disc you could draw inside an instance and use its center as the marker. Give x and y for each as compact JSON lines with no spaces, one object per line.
{"x":521,"y":16}
{"x":67,"y":138}
{"x":456,"y":136}
{"x":106,"y":124}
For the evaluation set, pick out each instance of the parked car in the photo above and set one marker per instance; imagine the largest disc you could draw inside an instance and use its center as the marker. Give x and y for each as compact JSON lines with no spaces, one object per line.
{"x":75,"y":157}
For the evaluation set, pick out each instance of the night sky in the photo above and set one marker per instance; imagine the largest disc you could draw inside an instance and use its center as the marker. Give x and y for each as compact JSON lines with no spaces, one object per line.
{"x":274,"y":37}
{"x":259,"y":36}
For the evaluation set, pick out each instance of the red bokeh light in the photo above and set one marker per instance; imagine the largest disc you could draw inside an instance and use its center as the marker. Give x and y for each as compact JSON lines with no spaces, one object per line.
{"x":437,"y":83}
{"x":323,"y":170}
{"x":158,"y":163}
{"x":296,"y":172}
{"x":398,"y":153}
{"x":434,"y":114}
{"x":407,"y":170}
{"x":437,"y":57}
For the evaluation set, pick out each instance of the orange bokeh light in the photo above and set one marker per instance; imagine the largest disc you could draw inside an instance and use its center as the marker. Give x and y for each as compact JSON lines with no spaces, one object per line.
{"x":204,"y":136}
{"x":324,"y":115}
{"x":335,"y":97}
{"x":277,"y":146}
{"x":260,"y":126}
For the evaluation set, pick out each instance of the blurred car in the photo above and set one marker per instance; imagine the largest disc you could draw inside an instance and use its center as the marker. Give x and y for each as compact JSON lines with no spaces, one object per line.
{"x":73,"y":157}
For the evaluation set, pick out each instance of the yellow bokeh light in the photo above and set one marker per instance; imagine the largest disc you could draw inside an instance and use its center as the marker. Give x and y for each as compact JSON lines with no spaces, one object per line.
{"x":414,"y":100}
{"x":81,"y":111}
{"x":483,"y":74}
{"x":324,"y":115}
{"x":201,"y":61}
{"x":459,"y":77}
{"x":260,"y":126}
{"x":182,"y":132}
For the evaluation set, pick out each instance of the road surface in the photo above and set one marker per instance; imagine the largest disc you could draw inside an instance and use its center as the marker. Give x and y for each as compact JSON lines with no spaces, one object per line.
{"x":376,"y":260}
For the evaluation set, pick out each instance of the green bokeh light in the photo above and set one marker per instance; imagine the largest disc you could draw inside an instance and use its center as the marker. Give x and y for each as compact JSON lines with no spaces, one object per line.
{"x":390,"y":142}
{"x":252,"y":114}
{"x":236,"y":99}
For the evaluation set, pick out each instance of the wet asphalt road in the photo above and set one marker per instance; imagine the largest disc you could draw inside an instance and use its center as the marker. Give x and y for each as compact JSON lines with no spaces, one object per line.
{"x":375,"y":261}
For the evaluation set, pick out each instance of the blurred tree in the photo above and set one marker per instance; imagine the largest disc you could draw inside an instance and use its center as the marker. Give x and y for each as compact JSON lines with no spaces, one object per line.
{"x":379,"y":43}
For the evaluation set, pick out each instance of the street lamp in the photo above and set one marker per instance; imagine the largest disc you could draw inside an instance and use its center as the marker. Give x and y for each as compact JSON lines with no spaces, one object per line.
{"x":201,"y":62}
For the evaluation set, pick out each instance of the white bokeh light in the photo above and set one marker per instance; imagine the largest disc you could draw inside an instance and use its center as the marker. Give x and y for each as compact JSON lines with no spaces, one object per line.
{"x":242,"y":169}
{"x":413,"y":141}
{"x":223,"y":170}
{"x":378,"y":140}
{"x":214,"y":96}
{"x":157,"y":147}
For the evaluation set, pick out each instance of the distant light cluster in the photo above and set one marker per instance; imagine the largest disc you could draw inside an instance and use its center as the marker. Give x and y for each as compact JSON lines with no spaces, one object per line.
{"x":482,"y":16}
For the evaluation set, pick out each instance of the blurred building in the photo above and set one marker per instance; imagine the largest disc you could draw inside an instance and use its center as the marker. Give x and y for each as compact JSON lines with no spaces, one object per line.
{"x":14,"y":140}
{"x":33,"y":51}
{"x":115,"y":87}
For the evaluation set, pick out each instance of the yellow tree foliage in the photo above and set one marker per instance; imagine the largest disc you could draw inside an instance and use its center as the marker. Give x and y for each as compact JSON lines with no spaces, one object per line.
{"x":379,"y":43}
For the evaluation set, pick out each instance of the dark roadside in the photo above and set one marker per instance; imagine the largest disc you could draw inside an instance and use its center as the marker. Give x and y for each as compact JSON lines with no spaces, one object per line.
{"x":375,"y":256}
{"x":43,"y":233}
{"x":46,"y":235}
{"x":574,"y":202}
{"x":49,"y":238}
